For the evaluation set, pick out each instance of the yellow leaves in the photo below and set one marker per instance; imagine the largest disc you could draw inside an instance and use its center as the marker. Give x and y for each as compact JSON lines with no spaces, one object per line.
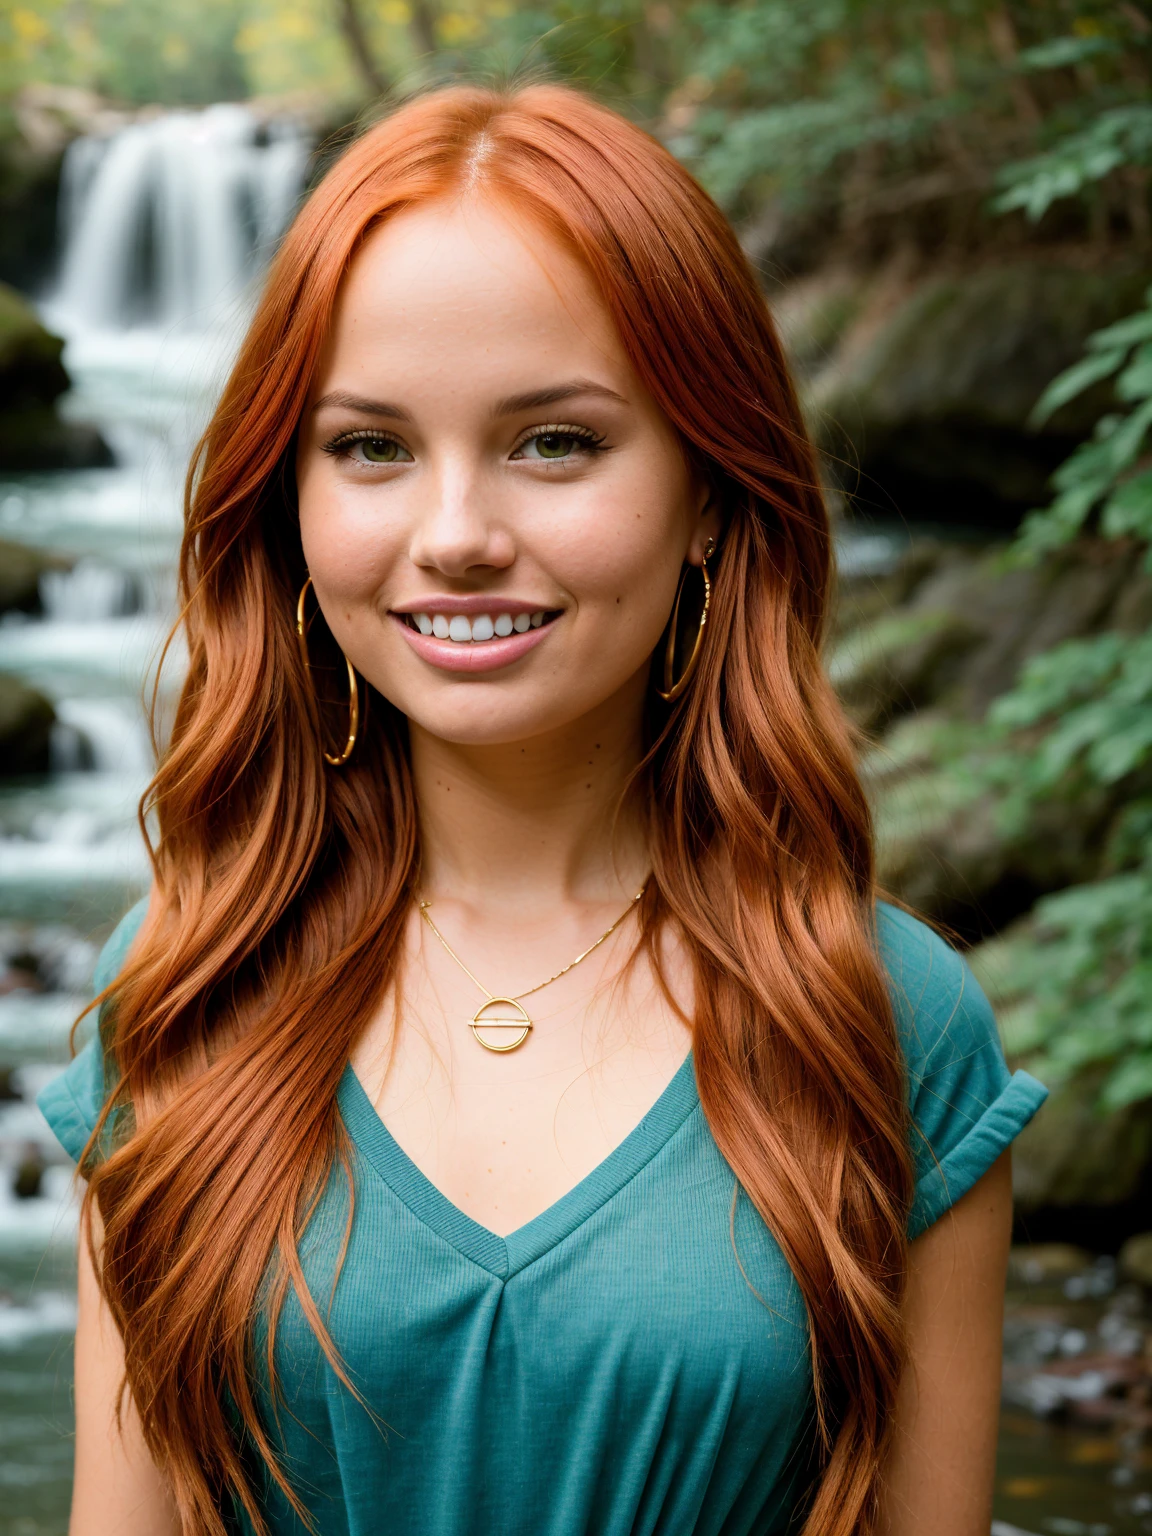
{"x":290,"y":46}
{"x":397,"y":13}
{"x":250,"y":38}
{"x":456,"y":28}
{"x":174,"y":50}
{"x":286,"y":25}
{"x":30,"y":28}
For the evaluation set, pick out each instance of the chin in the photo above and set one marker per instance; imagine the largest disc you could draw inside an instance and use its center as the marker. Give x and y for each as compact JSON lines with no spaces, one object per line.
{"x":485,"y":721}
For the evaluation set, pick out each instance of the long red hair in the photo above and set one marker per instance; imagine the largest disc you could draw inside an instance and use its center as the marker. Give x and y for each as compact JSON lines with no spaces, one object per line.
{"x":282,"y":886}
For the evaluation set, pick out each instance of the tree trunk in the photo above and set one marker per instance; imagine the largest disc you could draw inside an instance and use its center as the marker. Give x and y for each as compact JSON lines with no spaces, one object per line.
{"x":352,"y":26}
{"x":423,"y":27}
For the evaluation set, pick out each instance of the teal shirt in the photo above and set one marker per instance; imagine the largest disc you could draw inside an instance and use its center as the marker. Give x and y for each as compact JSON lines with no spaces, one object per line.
{"x":611,"y":1368}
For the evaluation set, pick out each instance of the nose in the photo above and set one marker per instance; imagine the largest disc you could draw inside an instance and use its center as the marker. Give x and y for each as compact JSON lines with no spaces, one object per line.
{"x":457,"y":527}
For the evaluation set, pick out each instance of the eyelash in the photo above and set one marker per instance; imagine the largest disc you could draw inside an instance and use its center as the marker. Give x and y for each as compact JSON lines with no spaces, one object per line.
{"x":592,"y":442}
{"x":339,"y":445}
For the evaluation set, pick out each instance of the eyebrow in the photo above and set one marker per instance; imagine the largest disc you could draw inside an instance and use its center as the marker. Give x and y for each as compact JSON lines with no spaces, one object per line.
{"x":532,"y":398}
{"x":511,"y":405}
{"x":362,"y":406}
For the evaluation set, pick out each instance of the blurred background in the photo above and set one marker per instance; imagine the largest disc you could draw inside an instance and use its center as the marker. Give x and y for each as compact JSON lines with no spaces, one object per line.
{"x":949,"y":208}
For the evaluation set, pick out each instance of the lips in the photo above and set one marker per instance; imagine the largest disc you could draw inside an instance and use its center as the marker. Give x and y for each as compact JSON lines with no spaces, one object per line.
{"x":467,"y":637}
{"x":478,"y":629}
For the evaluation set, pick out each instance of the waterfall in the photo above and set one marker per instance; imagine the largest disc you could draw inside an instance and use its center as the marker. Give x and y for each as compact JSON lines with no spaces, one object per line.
{"x":168,"y":222}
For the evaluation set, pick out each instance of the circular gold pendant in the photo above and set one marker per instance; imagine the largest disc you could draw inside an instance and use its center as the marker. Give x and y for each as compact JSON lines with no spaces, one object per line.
{"x":502,"y":1014}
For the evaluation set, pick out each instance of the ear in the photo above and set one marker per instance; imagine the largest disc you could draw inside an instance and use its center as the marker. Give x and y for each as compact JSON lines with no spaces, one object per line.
{"x":708,"y":522}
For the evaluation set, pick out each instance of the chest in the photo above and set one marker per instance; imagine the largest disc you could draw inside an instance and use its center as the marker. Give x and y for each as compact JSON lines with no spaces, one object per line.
{"x":633,"y":1359}
{"x":506,"y":1134}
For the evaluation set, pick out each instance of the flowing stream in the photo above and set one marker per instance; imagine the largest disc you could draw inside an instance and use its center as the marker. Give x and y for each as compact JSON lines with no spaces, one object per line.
{"x":168,"y":225}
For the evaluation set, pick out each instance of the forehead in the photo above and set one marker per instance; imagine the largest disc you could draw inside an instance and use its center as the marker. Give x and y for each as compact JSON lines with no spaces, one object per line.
{"x":466,"y":280}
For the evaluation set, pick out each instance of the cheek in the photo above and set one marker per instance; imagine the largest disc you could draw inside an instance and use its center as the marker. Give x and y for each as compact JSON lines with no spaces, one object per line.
{"x":627,"y":554}
{"x":348,"y":545}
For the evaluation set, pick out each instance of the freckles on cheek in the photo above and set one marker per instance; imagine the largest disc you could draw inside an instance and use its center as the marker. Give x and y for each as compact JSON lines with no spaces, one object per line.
{"x":349,"y":557}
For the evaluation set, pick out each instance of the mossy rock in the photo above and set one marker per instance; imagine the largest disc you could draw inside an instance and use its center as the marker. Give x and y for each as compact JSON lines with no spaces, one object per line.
{"x":32,"y":378}
{"x":1135,"y":1259}
{"x":37,"y":439}
{"x":930,"y":393}
{"x":982,"y":346}
{"x":899,"y":662}
{"x":31,"y":373}
{"x":1073,"y":1155}
{"x":26,"y":720}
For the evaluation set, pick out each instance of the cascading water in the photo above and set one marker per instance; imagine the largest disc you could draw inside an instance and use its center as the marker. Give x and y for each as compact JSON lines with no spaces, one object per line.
{"x":168,"y":225}
{"x":170,"y":221}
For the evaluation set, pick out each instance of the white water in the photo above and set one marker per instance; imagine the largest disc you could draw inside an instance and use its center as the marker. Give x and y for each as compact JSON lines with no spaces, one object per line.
{"x":169,"y":225}
{"x":171,"y":220}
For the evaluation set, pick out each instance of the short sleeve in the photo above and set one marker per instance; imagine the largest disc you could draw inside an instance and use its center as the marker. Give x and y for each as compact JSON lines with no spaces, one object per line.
{"x":966,"y":1107}
{"x":71,"y":1102}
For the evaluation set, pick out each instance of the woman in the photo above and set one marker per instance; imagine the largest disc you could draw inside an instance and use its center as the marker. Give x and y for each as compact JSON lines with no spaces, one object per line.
{"x":515,"y":1113}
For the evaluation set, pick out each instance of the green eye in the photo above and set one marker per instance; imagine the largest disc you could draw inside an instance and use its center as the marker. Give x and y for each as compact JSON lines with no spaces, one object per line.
{"x":554,"y":445}
{"x":380,"y":450}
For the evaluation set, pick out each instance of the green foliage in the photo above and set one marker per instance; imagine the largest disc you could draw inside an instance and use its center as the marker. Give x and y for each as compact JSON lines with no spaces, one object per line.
{"x":1080,"y":720}
{"x":1118,"y":137}
{"x":1108,"y":480}
{"x":176,"y":51}
{"x":1106,"y":129}
{"x":859,"y":108}
{"x":1082,"y":979}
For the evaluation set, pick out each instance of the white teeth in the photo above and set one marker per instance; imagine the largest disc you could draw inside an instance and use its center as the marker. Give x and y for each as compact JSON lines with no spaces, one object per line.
{"x":462,"y":630}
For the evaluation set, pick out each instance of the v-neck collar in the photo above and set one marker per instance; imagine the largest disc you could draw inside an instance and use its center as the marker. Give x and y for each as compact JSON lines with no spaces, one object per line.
{"x":504,"y":1256}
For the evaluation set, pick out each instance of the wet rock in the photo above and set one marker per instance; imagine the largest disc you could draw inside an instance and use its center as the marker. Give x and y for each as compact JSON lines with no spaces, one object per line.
{"x":29,"y":1176}
{"x":26,"y":719}
{"x":31,"y":373}
{"x":1135,"y":1259}
{"x":32,"y":378}
{"x":21,"y":568}
{"x":38,"y":439}
{"x":1046,"y":1263}
{"x":930,"y":381}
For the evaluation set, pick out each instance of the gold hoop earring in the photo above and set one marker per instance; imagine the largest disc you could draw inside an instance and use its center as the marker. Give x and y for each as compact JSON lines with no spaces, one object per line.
{"x":673,"y":689}
{"x":353,"y":691}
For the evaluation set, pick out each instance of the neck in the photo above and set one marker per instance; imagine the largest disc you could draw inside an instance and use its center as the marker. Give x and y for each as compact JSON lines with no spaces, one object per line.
{"x":532,"y":822}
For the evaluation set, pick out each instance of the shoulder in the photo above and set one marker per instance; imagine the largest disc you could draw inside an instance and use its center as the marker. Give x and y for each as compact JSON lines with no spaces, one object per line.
{"x":964,"y":1105}
{"x":941,"y":1011}
{"x":111,"y":959}
{"x":71,"y":1102}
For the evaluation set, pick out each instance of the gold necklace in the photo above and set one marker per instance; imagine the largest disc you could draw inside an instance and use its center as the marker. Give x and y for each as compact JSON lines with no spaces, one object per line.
{"x":520,"y":1021}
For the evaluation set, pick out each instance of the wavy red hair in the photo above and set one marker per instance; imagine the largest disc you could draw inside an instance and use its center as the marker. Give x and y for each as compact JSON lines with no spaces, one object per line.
{"x":282,"y":887}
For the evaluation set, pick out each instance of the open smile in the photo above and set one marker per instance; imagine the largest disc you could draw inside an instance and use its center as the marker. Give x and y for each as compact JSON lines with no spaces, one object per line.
{"x":475,"y":641}
{"x":479,"y":628}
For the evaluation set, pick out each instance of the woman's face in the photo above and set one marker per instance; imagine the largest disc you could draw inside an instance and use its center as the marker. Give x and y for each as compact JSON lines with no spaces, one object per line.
{"x":493,"y":510}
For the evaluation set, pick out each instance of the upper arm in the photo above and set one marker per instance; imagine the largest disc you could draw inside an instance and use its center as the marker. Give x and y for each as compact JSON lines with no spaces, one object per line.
{"x":942,"y":1457}
{"x":118,"y":1489}
{"x":965,"y":1109}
